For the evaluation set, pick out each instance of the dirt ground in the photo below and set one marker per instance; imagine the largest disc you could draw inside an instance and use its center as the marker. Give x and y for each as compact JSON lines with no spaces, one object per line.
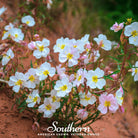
{"x":19,"y":125}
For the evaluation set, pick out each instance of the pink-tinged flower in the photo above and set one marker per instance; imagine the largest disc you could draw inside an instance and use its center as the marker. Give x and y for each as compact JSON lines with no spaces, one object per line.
{"x":32,"y":45}
{"x":71,"y":77}
{"x":116,"y":27}
{"x":81,"y":73}
{"x":114,"y":76}
{"x":107,"y":102}
{"x":121,"y":109}
{"x":82,"y":113}
{"x":23,"y":43}
{"x":36,"y":37}
{"x":61,"y":71}
{"x":69,"y":54}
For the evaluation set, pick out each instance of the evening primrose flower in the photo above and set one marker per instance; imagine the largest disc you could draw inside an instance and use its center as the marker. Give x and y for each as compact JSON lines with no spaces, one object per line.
{"x":49,"y":3}
{"x":61,"y":71}
{"x":45,"y":70}
{"x":119,"y":96}
{"x":81,"y":73}
{"x":86,"y":99}
{"x":2,"y":10}
{"x":31,"y":78}
{"x":29,"y":20}
{"x":16,"y":34}
{"x":82,"y":114}
{"x":48,"y":108}
{"x":32,"y":45}
{"x":6,"y":58}
{"x":132,"y":32}
{"x":135,"y":71}
{"x":63,"y":87}
{"x":42,"y":50}
{"x":116,"y":27}
{"x":69,"y":54}
{"x":94,"y":78}
{"x":9,"y":27}
{"x":61,"y":43}
{"x":85,"y":39}
{"x":33,"y":98}
{"x":103,"y":42}
{"x":107,"y":102}
{"x":54,"y":98}
{"x":17,"y":81}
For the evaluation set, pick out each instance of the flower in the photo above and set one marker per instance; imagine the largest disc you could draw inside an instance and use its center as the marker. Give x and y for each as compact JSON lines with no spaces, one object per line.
{"x":80,"y":77}
{"x":82,"y":114}
{"x":135,"y":71}
{"x":55,"y":99}
{"x":63,"y":87}
{"x":85,"y":39}
{"x":94,"y":78}
{"x":29,"y":20}
{"x":9,"y":27}
{"x":48,"y":108}
{"x":107,"y":102}
{"x":6,"y":58}
{"x":32,"y":45}
{"x":31,"y":78}
{"x":103,"y":42}
{"x":17,"y":81}
{"x":116,"y":27}
{"x":69,"y":54}
{"x":61,"y":43}
{"x":49,"y":3}
{"x":119,"y":97}
{"x":45,"y":70}
{"x":33,"y":98}
{"x":132,"y":32}
{"x":42,"y":50}
{"x":61,"y":71}
{"x":86,"y":99}
{"x":16,"y":34}
{"x":2,"y":10}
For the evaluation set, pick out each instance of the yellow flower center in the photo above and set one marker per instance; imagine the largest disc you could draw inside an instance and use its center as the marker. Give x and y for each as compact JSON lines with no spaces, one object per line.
{"x":27,"y":22}
{"x":30,"y":97}
{"x":62,"y":46}
{"x":46,"y":72}
{"x":107,"y":103}
{"x":16,"y":35}
{"x":87,"y":98}
{"x":64,"y":88}
{"x":75,"y":46}
{"x":79,"y":78}
{"x":102,"y":45}
{"x":129,"y":20}
{"x":136,"y":71}
{"x":54,"y":98}
{"x":32,"y":78}
{"x":48,"y":107}
{"x":35,"y":99}
{"x":41,"y":48}
{"x":19,"y":82}
{"x":134,"y":33}
{"x":69,"y":56}
{"x":95,"y":79}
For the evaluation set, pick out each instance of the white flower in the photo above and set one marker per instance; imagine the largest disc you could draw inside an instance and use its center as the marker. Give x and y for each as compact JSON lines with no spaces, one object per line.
{"x":103,"y":42}
{"x":9,"y":27}
{"x":135,"y":71}
{"x":33,"y":98}
{"x":86,"y":99}
{"x":69,"y":54}
{"x":81,"y":73}
{"x":85,"y":39}
{"x":63,"y":87}
{"x":61,"y":43}
{"x":94,"y":78}
{"x":61,"y":71}
{"x":49,"y":3}
{"x":42,"y":50}
{"x":55,"y":99}
{"x":29,"y":20}
{"x":132,"y":32}
{"x":16,"y":81}
{"x":119,"y":97}
{"x":48,"y":108}
{"x":6,"y":35}
{"x":16,"y":34}
{"x":45,"y":70}
{"x":6,"y":58}
{"x":82,"y":114}
{"x":2,"y":10}
{"x":31,"y":78}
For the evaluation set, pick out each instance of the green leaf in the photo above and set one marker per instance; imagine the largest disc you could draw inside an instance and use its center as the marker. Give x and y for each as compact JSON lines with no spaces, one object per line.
{"x":31,"y":64}
{"x":22,"y":104}
{"x":117,"y":60}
